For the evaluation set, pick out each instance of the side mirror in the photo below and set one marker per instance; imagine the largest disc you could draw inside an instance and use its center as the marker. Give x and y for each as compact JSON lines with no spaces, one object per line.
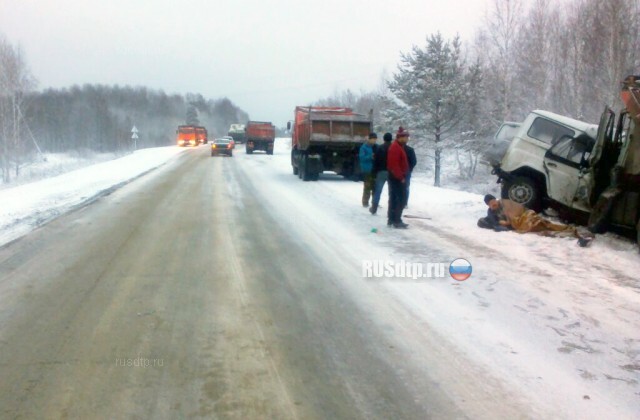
{"x":288,"y":125}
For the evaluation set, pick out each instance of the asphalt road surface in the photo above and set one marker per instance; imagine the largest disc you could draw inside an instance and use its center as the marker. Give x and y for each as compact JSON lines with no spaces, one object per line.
{"x":179,"y":296}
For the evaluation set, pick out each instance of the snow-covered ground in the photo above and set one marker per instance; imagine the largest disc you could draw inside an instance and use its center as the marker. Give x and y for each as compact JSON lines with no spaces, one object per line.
{"x":25,"y":207}
{"x":554,"y":322}
{"x":542,"y":316}
{"x":52,"y":164}
{"x":483,"y":181}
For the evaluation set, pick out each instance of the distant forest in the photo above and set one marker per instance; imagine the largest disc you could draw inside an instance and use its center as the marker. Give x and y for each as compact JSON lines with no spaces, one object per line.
{"x":100,"y":118}
{"x":92,"y":118}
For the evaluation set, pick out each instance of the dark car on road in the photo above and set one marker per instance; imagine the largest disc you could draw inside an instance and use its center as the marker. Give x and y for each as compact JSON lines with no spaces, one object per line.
{"x":221,"y":147}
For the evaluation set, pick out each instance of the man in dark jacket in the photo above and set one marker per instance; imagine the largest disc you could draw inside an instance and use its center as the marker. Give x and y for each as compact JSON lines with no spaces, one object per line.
{"x":495,"y":218}
{"x":380,"y":170}
{"x":411,"y":156}
{"x":398,"y":167}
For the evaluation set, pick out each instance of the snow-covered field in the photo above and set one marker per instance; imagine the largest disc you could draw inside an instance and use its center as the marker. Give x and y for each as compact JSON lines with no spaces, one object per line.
{"x":25,"y":207}
{"x":543,"y":317}
{"x":52,"y":164}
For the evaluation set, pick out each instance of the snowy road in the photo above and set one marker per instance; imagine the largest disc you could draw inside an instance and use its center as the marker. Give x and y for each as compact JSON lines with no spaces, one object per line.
{"x":227,"y":287}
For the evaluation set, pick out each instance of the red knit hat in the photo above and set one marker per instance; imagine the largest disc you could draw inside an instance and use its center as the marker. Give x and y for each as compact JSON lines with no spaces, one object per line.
{"x":402,"y":133}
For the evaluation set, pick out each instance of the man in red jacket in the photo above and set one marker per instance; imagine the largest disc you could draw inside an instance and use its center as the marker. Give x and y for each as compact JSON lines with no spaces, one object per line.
{"x":398,"y":167}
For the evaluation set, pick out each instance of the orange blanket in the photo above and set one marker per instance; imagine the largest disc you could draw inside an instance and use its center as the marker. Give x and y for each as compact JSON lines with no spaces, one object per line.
{"x":530,"y":221}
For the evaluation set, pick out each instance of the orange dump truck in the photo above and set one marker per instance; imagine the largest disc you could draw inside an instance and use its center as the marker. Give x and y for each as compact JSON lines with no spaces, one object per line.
{"x":201,"y":135}
{"x":186,"y":135}
{"x":327,"y":139}
{"x":259,"y":135}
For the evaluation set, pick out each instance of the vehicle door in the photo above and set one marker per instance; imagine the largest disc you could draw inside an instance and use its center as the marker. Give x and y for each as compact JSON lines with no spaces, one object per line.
{"x":604,"y":155}
{"x":566,"y":164}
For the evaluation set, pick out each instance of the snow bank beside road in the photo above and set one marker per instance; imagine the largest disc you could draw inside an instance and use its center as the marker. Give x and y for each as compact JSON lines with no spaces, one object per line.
{"x":24,"y":208}
{"x":49,"y":165}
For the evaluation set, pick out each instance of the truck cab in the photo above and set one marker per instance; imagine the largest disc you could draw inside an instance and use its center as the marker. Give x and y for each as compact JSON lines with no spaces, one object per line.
{"x":186,"y":136}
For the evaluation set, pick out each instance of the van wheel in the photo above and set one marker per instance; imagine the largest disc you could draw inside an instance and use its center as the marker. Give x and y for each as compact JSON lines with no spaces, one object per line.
{"x":525,"y":191}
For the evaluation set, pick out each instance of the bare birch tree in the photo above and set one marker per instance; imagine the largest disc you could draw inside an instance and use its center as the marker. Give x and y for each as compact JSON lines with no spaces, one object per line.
{"x":502,"y":23}
{"x":15,"y":82}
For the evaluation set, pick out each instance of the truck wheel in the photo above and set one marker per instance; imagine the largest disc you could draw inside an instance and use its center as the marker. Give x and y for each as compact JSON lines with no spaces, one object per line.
{"x":306,"y":176}
{"x":525,"y":191}
{"x":293,"y":162}
{"x":249,"y":151}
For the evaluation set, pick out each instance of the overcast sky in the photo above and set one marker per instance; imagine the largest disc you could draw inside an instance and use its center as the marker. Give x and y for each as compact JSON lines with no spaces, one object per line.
{"x":266,"y":56}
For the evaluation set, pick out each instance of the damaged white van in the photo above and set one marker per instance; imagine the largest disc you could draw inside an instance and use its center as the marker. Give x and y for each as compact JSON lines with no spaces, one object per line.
{"x":543,"y":163}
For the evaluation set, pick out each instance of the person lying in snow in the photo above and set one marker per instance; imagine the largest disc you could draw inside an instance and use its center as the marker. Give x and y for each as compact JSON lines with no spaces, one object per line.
{"x":507,"y":215}
{"x":497,"y":218}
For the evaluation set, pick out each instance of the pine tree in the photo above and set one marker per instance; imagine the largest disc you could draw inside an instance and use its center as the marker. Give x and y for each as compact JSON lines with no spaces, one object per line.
{"x":429,"y":88}
{"x":192,"y":115}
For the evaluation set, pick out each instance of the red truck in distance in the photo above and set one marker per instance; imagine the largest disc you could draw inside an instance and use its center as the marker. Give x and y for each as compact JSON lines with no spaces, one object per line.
{"x":201,"y":135}
{"x":259,"y":136}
